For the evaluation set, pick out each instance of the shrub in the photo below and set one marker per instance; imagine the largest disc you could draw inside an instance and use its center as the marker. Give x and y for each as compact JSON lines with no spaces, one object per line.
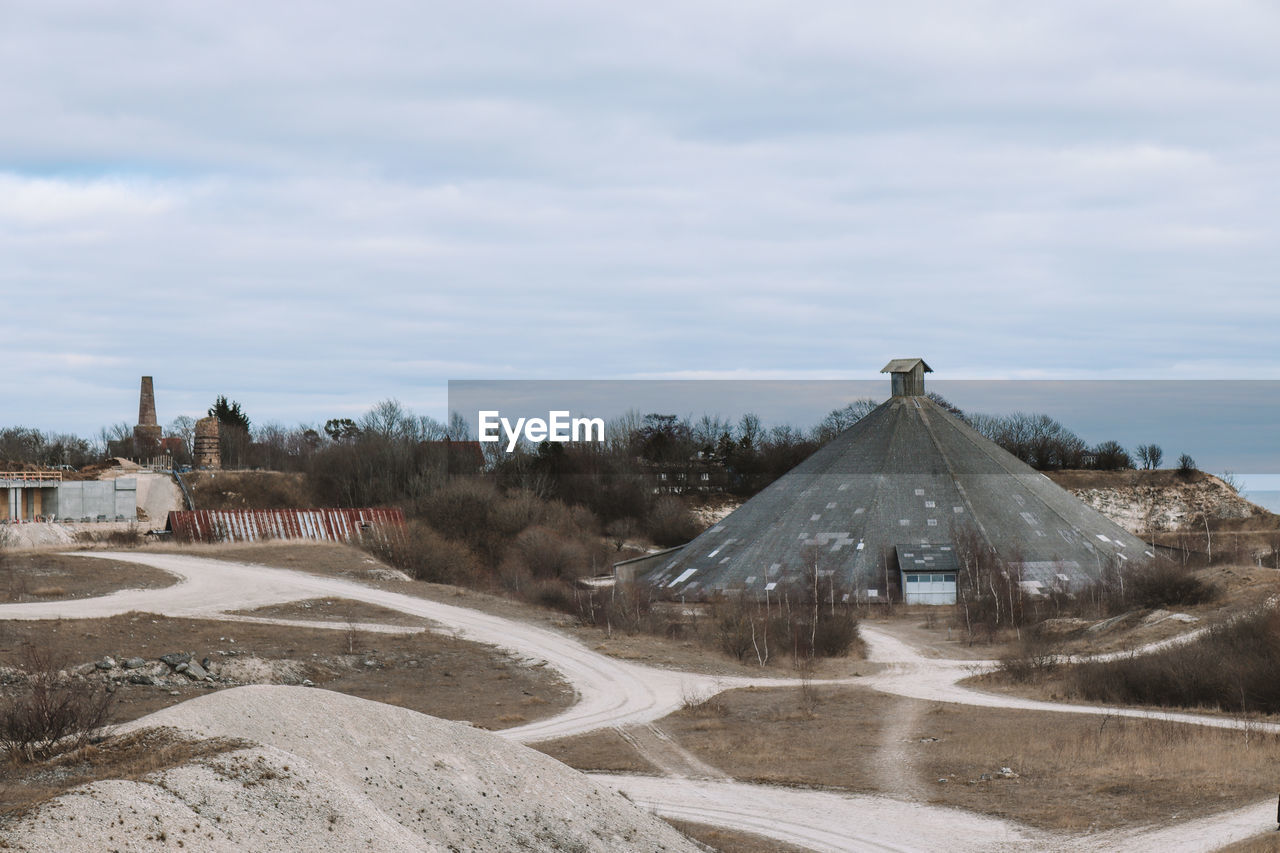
{"x":422,"y":553}
{"x":52,"y":712}
{"x":836,"y":634}
{"x":552,"y":594}
{"x":1166,"y":584}
{"x":626,"y":607}
{"x":1234,"y":667}
{"x":1035,"y":657}
{"x":545,"y":553}
{"x":670,"y":523}
{"x":131,"y":537}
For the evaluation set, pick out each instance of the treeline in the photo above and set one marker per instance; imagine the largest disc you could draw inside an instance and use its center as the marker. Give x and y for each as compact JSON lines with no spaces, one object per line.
{"x":385,"y":448}
{"x":24,"y":446}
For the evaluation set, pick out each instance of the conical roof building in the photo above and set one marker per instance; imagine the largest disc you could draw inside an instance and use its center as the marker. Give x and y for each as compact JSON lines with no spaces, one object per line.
{"x":893,"y":502}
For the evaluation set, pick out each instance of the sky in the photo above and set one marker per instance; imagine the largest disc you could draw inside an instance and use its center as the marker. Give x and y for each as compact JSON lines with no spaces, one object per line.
{"x":311,"y":207}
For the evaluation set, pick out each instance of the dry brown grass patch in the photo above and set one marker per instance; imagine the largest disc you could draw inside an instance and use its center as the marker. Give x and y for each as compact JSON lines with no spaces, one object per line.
{"x":1078,"y":772}
{"x":25,"y":575}
{"x":128,"y":756}
{"x":731,"y":840}
{"x":432,"y":673}
{"x":336,"y":610}
{"x":766,"y":736}
{"x":605,"y":750}
{"x":1070,"y":771}
{"x":1267,"y":843}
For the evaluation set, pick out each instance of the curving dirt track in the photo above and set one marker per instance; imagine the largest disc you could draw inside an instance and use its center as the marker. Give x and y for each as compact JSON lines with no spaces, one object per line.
{"x":825,"y":820}
{"x":610,"y":692}
{"x":618,"y":693}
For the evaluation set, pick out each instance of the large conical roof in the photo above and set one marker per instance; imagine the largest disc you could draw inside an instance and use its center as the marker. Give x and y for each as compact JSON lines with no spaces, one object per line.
{"x":907,"y":474}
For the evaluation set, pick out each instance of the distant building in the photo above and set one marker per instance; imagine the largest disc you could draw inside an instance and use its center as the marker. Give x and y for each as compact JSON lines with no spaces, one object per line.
{"x":882,"y":508}
{"x":45,"y":496}
{"x":147,"y":434}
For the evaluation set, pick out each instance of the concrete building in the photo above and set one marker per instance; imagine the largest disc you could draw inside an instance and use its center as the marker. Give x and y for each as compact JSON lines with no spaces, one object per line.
{"x":884,"y":508}
{"x":45,"y":496}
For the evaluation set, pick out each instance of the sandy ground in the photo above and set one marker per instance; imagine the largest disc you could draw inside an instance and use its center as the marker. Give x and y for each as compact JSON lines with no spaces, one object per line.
{"x":340,"y":773}
{"x":618,"y":693}
{"x":35,"y":534}
{"x":158,"y":495}
{"x":610,"y":692}
{"x":824,"y":820}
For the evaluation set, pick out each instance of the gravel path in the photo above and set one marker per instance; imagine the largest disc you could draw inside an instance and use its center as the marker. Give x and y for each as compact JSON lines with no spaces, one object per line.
{"x":619,"y":693}
{"x":826,"y":821}
{"x":908,"y":673}
{"x":610,"y":692}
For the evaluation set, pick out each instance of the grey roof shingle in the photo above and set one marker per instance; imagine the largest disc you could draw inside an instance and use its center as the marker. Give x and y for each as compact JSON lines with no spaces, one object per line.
{"x":907,"y":473}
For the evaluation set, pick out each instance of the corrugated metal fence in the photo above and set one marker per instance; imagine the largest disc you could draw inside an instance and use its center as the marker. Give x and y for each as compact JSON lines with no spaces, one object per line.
{"x":255,"y":525}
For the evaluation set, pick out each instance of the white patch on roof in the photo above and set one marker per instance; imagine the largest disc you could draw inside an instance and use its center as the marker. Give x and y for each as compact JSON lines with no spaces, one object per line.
{"x":684,"y":576}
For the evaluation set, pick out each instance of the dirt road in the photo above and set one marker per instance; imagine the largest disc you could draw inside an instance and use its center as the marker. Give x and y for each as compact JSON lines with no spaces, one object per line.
{"x":610,"y":692}
{"x":619,"y":693}
{"x":908,"y":673}
{"x":824,"y":820}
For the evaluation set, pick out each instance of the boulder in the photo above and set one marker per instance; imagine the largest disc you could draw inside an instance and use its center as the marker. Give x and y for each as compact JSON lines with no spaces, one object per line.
{"x":134,"y":663}
{"x":175,"y":658}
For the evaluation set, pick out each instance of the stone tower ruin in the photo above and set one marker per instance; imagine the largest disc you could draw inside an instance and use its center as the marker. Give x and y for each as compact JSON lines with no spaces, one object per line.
{"x":147,"y":434}
{"x":207,"y":453}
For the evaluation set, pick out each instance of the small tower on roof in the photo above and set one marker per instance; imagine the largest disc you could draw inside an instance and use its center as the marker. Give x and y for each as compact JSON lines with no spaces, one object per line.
{"x":907,"y":376}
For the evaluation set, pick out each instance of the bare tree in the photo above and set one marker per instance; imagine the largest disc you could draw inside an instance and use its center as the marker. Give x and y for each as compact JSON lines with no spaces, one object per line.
{"x":1150,"y":455}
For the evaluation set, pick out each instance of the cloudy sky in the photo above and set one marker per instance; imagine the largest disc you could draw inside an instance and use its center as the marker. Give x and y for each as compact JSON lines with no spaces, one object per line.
{"x":311,"y":207}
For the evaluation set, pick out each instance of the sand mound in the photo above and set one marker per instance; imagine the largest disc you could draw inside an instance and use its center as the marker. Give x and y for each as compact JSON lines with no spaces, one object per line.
{"x":333,"y":771}
{"x":35,"y":535}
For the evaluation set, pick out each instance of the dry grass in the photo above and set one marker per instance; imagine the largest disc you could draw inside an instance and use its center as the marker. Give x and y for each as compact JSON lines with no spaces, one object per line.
{"x":129,"y":756}
{"x":1266,"y":843}
{"x":249,"y":489}
{"x":1073,"y":772}
{"x":777,"y":736}
{"x":335,"y":560}
{"x":732,"y":841}
{"x":432,"y":673}
{"x":604,"y":750}
{"x":28,"y":575}
{"x":336,"y":610}
{"x":1079,"y":772}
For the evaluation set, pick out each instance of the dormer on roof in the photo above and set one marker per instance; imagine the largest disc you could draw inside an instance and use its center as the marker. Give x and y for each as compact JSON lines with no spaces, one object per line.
{"x":906,"y":376}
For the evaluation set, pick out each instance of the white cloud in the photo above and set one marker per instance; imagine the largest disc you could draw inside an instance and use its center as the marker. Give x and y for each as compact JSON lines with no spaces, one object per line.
{"x":314,"y":207}
{"x":26,"y":200}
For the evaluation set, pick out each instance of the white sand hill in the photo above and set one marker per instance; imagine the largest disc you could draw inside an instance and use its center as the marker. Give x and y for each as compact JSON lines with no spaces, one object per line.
{"x":340,"y":773}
